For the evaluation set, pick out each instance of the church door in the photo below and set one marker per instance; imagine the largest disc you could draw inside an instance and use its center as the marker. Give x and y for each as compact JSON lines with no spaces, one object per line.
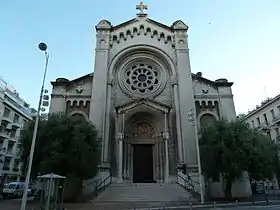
{"x":143,"y":163}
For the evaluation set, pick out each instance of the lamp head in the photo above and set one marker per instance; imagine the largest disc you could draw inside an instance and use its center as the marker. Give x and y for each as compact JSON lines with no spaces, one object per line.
{"x":42,"y":46}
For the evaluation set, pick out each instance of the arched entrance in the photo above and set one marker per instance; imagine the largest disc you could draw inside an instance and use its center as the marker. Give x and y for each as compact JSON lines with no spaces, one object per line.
{"x":143,"y":156}
{"x":141,"y":131}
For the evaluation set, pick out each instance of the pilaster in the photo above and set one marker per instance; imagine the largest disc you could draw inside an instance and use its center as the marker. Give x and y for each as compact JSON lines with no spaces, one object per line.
{"x":185,"y":92}
{"x":99,"y":98}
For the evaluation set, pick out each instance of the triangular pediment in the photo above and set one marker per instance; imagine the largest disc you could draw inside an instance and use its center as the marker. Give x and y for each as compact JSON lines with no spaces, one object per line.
{"x":144,"y":21}
{"x":136,"y":103}
{"x":179,"y":25}
{"x":103,"y":24}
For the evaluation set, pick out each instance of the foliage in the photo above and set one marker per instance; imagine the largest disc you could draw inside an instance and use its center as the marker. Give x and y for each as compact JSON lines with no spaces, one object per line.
{"x":228,"y":148}
{"x":64,"y":145}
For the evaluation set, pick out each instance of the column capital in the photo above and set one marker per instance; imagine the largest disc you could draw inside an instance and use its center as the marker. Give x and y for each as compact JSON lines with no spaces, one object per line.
{"x":165,"y":136}
{"x":120,"y":136}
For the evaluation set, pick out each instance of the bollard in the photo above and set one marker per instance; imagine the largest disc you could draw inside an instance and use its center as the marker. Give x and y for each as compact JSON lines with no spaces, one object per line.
{"x":236,"y":202}
{"x":214,"y":204}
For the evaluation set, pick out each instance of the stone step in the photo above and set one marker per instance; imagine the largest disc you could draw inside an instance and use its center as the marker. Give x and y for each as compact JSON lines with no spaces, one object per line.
{"x":143,"y":195}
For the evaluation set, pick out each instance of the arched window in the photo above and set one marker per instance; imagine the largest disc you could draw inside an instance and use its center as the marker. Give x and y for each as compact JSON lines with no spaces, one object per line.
{"x":206,"y":119}
{"x":78,"y":116}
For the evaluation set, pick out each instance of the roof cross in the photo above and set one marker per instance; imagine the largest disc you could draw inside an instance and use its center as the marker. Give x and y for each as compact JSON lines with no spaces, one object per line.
{"x":141,"y":7}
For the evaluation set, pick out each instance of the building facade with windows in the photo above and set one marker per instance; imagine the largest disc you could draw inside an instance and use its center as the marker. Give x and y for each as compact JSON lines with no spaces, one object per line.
{"x":14,"y":112}
{"x":266,"y":118}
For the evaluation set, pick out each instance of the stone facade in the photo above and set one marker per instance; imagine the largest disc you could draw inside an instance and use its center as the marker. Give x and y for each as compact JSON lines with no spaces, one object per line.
{"x":142,"y":92}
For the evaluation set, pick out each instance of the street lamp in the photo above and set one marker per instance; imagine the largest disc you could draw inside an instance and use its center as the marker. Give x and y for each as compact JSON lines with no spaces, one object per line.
{"x":43,"y":47}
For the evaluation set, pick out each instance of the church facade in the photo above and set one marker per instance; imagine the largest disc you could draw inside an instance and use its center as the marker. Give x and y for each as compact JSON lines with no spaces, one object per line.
{"x":143,"y":99}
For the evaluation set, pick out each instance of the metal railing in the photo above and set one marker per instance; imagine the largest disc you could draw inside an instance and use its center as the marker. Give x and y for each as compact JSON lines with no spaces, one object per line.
{"x":189,"y":185}
{"x":103,"y":184}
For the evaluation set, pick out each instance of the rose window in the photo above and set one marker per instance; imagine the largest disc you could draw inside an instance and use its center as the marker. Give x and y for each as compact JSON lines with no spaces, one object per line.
{"x":142,"y":78}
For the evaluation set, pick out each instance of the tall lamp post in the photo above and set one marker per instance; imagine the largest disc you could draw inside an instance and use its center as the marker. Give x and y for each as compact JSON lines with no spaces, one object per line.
{"x":43,"y":47}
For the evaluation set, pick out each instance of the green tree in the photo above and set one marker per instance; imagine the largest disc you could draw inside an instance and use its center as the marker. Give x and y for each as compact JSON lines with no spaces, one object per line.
{"x":228,"y":148}
{"x":65,"y":145}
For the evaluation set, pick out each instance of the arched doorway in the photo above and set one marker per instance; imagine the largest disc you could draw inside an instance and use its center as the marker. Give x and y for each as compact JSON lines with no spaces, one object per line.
{"x":143,"y":157}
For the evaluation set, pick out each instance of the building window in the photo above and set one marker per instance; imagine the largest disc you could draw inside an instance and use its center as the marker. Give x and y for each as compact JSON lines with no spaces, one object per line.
{"x":6,"y":165}
{"x":253,"y":123}
{"x":13,"y":133}
{"x":6,"y":112}
{"x":269,"y":134}
{"x":16,"y":118}
{"x":278,"y":107}
{"x":258,"y":121}
{"x":272,"y":114}
{"x":10,"y":148}
{"x":265,"y":119}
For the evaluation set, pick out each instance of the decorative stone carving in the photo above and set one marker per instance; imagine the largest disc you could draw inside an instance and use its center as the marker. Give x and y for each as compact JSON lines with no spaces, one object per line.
{"x":143,"y":129}
{"x":142,"y":79}
{"x":79,"y":90}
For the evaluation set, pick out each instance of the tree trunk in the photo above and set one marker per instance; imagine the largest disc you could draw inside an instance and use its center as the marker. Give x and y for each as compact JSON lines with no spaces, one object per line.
{"x":228,"y":188}
{"x":73,"y":188}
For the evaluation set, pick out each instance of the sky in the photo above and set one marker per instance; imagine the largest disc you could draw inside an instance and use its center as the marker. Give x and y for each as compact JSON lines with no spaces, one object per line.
{"x":234,"y":39}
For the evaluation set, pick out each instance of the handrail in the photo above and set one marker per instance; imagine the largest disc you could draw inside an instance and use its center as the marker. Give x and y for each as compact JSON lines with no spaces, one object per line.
{"x":188,"y":181}
{"x":102,"y":185}
{"x":104,"y":180}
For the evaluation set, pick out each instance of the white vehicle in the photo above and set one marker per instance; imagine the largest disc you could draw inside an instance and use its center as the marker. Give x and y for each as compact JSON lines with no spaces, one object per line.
{"x":13,"y":189}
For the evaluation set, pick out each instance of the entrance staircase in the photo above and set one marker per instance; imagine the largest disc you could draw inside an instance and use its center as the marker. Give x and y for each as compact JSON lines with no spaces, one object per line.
{"x":142,"y":195}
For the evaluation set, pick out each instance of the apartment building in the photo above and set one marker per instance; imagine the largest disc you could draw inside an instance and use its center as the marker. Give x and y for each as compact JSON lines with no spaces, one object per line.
{"x":266,"y":118}
{"x":14,"y":112}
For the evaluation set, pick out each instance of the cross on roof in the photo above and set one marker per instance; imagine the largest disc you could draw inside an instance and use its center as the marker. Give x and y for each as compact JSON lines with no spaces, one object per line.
{"x":141,"y":7}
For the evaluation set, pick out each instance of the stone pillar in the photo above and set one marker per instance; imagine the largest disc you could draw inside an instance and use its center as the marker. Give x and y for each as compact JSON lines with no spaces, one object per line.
{"x":166,"y":167}
{"x":120,"y":148}
{"x":106,"y":129}
{"x":120,"y":157}
{"x":178,"y":121}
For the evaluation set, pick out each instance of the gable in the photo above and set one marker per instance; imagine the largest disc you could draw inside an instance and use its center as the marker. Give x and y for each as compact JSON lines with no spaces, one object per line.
{"x":80,"y":85}
{"x":138,"y":26}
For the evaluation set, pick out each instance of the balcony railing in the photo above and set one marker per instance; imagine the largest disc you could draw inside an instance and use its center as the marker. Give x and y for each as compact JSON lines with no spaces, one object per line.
{"x":6,"y":119}
{"x":16,"y":124}
{"x":264,"y":126}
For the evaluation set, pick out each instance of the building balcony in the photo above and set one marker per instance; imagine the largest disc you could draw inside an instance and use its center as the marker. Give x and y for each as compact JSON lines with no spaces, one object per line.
{"x":4,"y":135}
{"x":264,"y":127}
{"x":13,"y":139}
{"x":16,"y":125}
{"x":6,"y":119}
{"x":276,"y":120}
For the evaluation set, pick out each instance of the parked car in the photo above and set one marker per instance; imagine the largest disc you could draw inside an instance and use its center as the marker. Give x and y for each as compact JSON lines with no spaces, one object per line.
{"x":31,"y":189}
{"x":13,"y":189}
